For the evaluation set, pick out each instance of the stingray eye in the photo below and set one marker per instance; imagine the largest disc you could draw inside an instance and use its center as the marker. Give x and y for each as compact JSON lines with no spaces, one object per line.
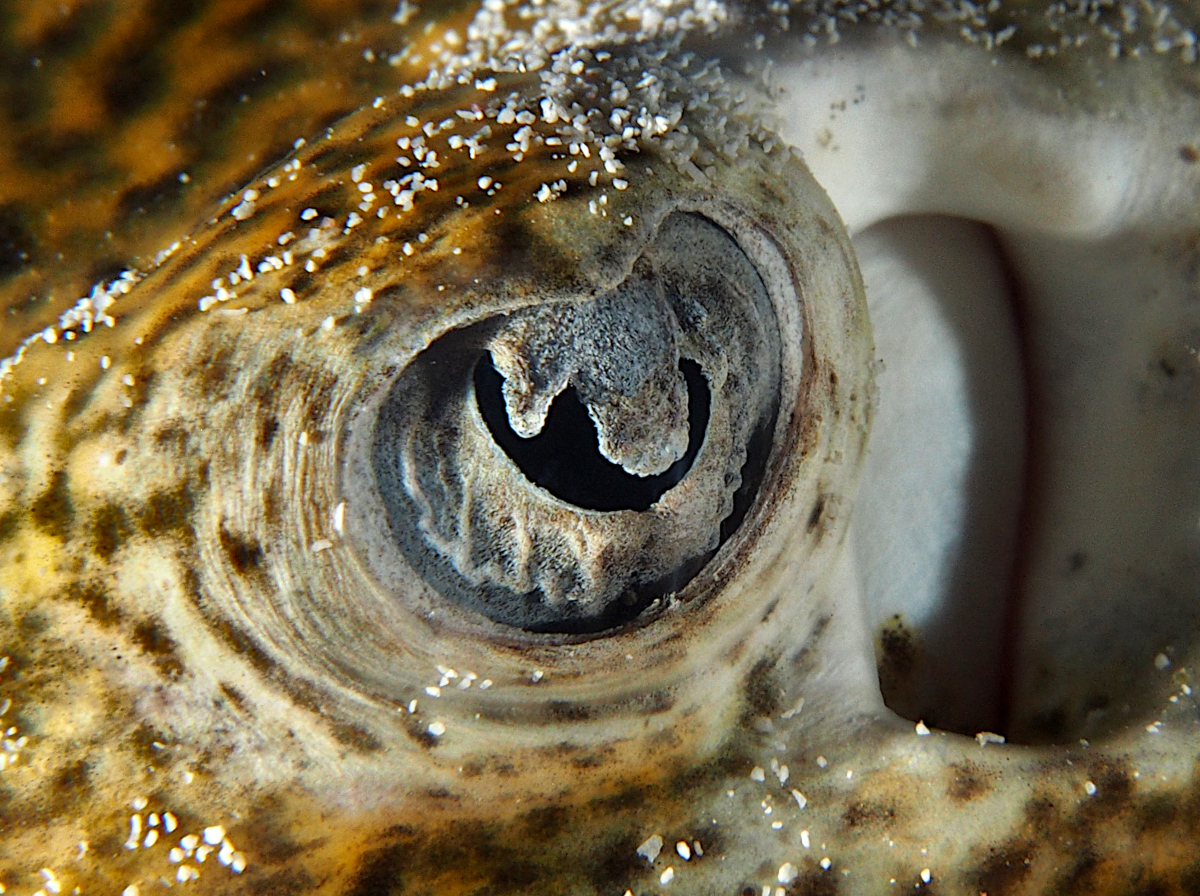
{"x":480,"y":452}
{"x":597,"y":436}
{"x":566,"y":467}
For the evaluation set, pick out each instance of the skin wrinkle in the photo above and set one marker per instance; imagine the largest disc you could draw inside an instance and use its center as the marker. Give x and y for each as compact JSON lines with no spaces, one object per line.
{"x":181,"y":613}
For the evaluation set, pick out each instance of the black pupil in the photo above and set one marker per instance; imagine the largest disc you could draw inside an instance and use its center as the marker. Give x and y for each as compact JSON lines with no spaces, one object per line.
{"x":565,"y":459}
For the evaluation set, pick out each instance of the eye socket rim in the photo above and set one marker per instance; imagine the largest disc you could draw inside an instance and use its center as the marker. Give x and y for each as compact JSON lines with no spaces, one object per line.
{"x":682,"y":668}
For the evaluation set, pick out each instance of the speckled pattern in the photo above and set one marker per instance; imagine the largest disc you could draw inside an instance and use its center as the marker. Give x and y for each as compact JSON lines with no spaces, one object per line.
{"x":202,"y":684}
{"x":123,"y":119}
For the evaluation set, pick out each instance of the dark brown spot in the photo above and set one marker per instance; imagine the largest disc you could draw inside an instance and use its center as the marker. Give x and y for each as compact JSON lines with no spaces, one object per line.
{"x":72,"y":781}
{"x":267,"y":427}
{"x":53,"y":511}
{"x":110,"y":528}
{"x":233,"y":695}
{"x":241,"y":643}
{"x":1081,"y":874}
{"x":158,"y":195}
{"x":897,"y":656}
{"x":1114,"y":791}
{"x":217,"y":115}
{"x":1041,"y":814}
{"x":171,"y":438}
{"x":16,"y":240}
{"x":96,"y":601}
{"x":134,"y":76}
{"x":762,"y":689}
{"x":862,"y":814}
{"x":967,"y":784}
{"x":215,"y":375}
{"x":418,"y":732}
{"x":149,"y":743}
{"x":77,"y":399}
{"x":9,"y":523}
{"x":1189,"y":153}
{"x":770,"y":610}
{"x":167,"y":513}
{"x":356,"y":737}
{"x":271,"y":844}
{"x":266,"y":386}
{"x":317,"y":407}
{"x":272,"y":506}
{"x":814,"y":881}
{"x":566,"y":711}
{"x":1157,"y":813}
{"x":814,"y":516}
{"x":245,"y":554}
{"x":380,"y":873}
{"x":1151,"y":886}
{"x":656,"y":702}
{"x":545,"y":821}
{"x":1004,"y":868}
{"x":33,"y":623}
{"x":12,"y":424}
{"x":1190,"y":881}
{"x":159,"y":645}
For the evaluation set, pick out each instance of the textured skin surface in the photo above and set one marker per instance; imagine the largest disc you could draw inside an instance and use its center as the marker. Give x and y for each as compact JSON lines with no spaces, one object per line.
{"x":108,"y":104}
{"x":166,"y":499}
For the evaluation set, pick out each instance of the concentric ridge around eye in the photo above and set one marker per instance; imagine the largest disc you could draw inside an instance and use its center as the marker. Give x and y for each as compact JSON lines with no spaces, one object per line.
{"x":466,"y":516}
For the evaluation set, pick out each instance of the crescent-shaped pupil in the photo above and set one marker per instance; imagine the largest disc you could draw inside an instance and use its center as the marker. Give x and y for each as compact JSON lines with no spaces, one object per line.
{"x":565,"y":459}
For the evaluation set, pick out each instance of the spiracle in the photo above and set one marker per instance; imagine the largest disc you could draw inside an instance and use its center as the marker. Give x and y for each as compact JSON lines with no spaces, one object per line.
{"x":470,"y":503}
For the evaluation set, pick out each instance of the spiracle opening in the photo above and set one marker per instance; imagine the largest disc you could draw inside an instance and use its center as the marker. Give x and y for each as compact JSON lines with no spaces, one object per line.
{"x":568,"y":467}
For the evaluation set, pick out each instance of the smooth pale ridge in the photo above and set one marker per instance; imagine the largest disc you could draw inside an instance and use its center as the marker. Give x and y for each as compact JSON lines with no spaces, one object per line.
{"x":942,"y":132}
{"x":1112,"y":573}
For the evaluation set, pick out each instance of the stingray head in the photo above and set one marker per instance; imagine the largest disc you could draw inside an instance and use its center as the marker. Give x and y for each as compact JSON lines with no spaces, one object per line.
{"x":650,"y":448}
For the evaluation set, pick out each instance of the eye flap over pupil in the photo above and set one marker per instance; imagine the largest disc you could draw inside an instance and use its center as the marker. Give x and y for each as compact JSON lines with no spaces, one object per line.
{"x":564,"y":458}
{"x":621,"y":353}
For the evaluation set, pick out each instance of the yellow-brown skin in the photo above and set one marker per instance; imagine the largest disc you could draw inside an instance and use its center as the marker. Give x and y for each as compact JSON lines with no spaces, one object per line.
{"x":109,"y":103}
{"x":109,"y":549}
{"x":114,"y":584}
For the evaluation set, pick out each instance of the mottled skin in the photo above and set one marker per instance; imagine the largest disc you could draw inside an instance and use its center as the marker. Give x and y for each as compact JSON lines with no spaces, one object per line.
{"x":107,"y":104}
{"x":151,"y":529}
